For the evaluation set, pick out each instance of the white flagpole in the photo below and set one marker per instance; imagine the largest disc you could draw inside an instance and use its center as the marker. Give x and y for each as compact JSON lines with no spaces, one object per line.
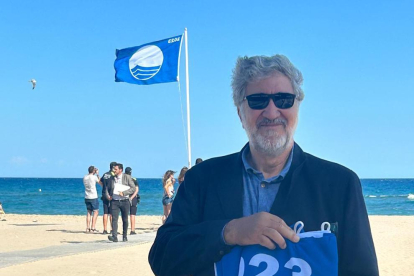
{"x":187,"y":81}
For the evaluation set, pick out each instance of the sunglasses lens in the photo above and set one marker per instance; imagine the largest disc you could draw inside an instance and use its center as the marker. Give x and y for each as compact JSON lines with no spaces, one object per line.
{"x":284,"y":101}
{"x":258,"y":101}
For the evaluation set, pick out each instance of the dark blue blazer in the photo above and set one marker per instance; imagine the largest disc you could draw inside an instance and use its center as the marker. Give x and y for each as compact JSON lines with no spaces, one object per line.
{"x":313,"y":191}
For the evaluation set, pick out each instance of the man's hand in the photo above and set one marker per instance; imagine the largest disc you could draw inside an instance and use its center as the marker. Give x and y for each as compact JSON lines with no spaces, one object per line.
{"x":121,"y":193}
{"x":262,"y":228}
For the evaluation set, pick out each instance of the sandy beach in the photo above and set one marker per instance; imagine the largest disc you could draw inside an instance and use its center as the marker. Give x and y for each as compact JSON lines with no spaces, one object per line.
{"x":58,"y":245}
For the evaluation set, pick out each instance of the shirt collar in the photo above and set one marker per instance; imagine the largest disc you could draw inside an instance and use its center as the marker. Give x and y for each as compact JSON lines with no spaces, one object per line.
{"x":250,"y":169}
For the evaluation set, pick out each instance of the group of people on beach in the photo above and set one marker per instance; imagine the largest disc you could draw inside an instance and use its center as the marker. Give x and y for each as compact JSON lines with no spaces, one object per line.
{"x":120,"y":195}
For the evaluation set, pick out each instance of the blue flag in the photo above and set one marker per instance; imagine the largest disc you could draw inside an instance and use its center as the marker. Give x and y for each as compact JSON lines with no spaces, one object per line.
{"x":154,"y":62}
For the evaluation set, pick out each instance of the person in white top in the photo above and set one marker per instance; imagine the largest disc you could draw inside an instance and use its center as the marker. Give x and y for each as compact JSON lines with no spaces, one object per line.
{"x":91,"y":198}
{"x":2,"y":212}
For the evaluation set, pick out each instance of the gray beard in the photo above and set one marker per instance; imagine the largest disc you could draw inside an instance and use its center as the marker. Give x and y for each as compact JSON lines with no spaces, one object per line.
{"x":270,"y":143}
{"x":269,"y":146}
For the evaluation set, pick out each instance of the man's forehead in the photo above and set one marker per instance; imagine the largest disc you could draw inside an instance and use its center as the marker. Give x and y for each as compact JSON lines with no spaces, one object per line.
{"x":271,"y":82}
{"x":267,"y":75}
{"x":271,"y":74}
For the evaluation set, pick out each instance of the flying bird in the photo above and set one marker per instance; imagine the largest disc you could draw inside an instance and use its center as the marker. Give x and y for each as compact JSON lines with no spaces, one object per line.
{"x":33,"y":81}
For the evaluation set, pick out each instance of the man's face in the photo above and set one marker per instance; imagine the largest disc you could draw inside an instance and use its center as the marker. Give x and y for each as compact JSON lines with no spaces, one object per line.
{"x":271,"y":129}
{"x":117,"y":170}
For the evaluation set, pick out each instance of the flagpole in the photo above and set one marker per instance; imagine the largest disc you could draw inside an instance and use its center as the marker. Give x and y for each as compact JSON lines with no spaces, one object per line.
{"x":187,"y":81}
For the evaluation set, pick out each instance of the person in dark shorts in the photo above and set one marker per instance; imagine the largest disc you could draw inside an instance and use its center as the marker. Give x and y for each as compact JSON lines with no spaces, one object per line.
{"x":134,"y":200}
{"x":106,"y":203}
{"x":168,"y":183}
{"x":91,"y":198}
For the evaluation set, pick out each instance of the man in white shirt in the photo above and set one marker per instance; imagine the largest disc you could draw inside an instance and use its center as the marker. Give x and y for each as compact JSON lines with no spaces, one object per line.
{"x":117,"y":191}
{"x":91,"y":198}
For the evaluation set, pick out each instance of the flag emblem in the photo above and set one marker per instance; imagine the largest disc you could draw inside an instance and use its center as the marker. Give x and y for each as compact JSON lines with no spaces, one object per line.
{"x":146,"y":62}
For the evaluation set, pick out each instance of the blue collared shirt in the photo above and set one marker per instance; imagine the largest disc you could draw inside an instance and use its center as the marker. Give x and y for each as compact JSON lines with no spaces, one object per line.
{"x":260,"y":193}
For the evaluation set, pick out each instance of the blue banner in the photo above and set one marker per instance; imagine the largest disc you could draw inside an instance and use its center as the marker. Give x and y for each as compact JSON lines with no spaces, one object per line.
{"x":154,"y":62}
{"x":313,"y":255}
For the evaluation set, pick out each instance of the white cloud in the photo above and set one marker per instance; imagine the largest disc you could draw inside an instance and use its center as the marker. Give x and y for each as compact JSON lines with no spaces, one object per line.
{"x":19,"y":160}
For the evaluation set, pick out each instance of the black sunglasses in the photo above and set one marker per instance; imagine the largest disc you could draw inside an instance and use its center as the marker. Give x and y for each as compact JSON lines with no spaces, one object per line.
{"x":259,"y":101}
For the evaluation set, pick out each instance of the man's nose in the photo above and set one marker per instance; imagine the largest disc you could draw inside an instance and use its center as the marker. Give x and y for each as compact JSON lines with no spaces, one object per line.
{"x":271,"y":111}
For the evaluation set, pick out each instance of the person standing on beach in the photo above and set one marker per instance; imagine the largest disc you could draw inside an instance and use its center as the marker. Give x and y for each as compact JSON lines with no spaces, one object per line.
{"x":117,"y":192}
{"x":133,"y":200}
{"x":91,"y":198}
{"x":181,"y":177}
{"x":2,"y":212}
{"x":253,"y":196}
{"x":106,"y":203}
{"x":168,"y":184}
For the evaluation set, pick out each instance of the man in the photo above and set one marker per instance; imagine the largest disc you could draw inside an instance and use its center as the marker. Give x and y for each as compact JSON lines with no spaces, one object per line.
{"x":251,"y":197}
{"x":133,"y":200}
{"x":91,"y":198}
{"x":198,"y":161}
{"x":106,"y":203}
{"x":117,"y":192}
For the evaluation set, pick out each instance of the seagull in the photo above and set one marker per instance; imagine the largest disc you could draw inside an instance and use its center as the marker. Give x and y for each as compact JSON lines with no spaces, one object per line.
{"x":33,"y":81}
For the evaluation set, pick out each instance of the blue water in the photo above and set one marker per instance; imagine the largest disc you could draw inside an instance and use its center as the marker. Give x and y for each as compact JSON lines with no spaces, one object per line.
{"x":389,"y":196}
{"x":65,"y":196}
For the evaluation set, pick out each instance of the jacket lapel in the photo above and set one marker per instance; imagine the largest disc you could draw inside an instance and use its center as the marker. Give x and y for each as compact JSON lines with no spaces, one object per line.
{"x":287,"y":186}
{"x":230,"y":190}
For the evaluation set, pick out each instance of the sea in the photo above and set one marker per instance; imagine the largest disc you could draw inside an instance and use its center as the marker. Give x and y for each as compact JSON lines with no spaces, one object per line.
{"x":65,"y":196}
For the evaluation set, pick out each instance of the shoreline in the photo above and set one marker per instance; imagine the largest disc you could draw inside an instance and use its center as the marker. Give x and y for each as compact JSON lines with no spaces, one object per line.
{"x":37,"y":234}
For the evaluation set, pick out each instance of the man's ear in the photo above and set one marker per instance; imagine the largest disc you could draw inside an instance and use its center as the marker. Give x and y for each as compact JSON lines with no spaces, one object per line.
{"x":240,"y":117}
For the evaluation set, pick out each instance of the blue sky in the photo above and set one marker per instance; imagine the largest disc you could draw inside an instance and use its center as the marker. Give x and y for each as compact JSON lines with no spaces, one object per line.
{"x":357,"y":59}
